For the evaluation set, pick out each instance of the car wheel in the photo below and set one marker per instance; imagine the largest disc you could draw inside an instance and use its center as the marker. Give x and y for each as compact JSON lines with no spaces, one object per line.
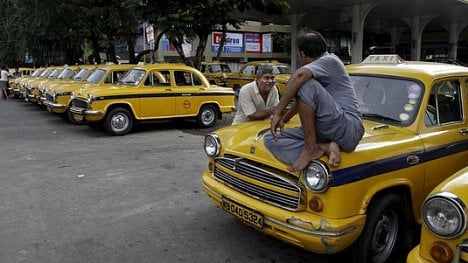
{"x":382,"y":238}
{"x":73,"y":120}
{"x":207,"y":116}
{"x":119,"y":121}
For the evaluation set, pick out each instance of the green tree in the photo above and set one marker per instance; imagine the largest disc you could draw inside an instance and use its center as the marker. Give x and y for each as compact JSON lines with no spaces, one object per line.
{"x":183,"y":21}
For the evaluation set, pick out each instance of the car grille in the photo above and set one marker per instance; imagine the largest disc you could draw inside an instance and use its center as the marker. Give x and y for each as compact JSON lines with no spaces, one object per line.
{"x":463,"y":253}
{"x":259,"y":181}
{"x":80,"y":103}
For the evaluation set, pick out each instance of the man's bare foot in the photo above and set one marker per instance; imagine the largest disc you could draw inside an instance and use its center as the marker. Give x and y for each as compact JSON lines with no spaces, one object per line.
{"x":333,"y":151}
{"x":304,"y":159}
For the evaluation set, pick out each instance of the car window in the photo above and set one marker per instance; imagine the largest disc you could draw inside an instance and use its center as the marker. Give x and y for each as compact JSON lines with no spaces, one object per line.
{"x":157,"y":78}
{"x":388,"y":99}
{"x":186,"y":78}
{"x":444,"y":104}
{"x":225,"y":68}
{"x":281,"y":69}
{"x":248,"y":70}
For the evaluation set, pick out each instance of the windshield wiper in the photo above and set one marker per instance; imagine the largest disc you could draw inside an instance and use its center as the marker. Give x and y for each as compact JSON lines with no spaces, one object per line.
{"x":380,"y":117}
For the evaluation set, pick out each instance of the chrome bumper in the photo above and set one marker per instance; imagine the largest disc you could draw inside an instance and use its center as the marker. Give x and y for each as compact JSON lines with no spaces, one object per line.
{"x":86,"y":112}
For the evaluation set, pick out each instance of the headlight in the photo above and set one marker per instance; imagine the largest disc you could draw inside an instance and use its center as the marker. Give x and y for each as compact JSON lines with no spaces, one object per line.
{"x":212,"y":145}
{"x":90,"y":97}
{"x":444,"y":216}
{"x":317,"y":176}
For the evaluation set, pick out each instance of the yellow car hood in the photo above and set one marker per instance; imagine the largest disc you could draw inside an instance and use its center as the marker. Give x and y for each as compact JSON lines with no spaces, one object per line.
{"x":380,"y":141}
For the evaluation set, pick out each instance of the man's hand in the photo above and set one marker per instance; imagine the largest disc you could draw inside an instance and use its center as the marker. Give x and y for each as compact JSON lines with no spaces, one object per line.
{"x":275,"y":123}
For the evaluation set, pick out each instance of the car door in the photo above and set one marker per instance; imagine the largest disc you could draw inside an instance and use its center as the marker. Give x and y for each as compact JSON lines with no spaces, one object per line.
{"x":188,"y":87}
{"x":157,"y":98}
{"x":445,"y":131}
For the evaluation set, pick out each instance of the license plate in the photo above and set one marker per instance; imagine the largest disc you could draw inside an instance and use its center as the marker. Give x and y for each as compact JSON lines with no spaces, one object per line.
{"x":244,"y":213}
{"x":77,"y":117}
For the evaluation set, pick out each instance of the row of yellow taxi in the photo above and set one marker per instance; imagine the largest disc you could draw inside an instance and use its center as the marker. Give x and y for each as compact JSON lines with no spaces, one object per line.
{"x":408,"y":170}
{"x":119,"y":96}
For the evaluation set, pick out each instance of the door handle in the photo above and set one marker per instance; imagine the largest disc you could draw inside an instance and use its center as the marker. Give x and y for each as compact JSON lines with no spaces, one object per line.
{"x":463,"y":131}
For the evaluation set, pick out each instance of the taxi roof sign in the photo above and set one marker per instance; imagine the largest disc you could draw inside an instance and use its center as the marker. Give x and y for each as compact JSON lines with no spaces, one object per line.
{"x":383,"y":59}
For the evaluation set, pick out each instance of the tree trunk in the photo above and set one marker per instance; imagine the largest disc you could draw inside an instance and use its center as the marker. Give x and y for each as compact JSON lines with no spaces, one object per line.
{"x":221,"y":44}
{"x":131,"y":49}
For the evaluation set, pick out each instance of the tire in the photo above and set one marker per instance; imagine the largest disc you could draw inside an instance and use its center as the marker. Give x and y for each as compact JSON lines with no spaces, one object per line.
{"x":72,"y":120}
{"x":207,"y":116}
{"x":119,"y":121}
{"x":382,"y":239}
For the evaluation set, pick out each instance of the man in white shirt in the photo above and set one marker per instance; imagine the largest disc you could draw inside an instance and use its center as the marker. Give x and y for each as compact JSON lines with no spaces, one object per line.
{"x":257,"y":99}
{"x":4,"y":74}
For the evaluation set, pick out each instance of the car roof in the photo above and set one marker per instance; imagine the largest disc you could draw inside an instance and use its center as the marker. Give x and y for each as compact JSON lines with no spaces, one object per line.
{"x":410,"y":69}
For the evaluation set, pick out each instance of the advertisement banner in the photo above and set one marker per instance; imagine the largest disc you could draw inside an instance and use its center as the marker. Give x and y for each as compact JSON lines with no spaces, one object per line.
{"x":253,"y":43}
{"x":149,"y":34}
{"x":166,"y":44}
{"x":267,"y":43}
{"x":234,"y":42}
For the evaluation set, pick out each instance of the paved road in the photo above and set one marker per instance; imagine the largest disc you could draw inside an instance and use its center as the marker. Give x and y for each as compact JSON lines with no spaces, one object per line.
{"x":75,"y":194}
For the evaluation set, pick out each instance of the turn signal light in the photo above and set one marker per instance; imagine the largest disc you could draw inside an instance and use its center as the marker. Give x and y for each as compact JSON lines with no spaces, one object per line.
{"x":441,"y":253}
{"x":316,"y":204}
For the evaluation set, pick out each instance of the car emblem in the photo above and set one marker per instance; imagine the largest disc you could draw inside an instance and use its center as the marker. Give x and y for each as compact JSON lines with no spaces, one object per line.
{"x":252,"y":150}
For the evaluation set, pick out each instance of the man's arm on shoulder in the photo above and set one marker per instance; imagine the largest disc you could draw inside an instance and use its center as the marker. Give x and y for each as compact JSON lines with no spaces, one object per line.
{"x":297,"y":79}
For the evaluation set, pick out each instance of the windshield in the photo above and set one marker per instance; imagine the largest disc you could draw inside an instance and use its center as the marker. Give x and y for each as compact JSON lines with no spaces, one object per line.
{"x":45,"y":73}
{"x":37,"y":72}
{"x":96,"y":76}
{"x":81,"y":74}
{"x":65,"y":73}
{"x":281,"y":69}
{"x":388,"y":100}
{"x":133,"y":77}
{"x":54,"y":73}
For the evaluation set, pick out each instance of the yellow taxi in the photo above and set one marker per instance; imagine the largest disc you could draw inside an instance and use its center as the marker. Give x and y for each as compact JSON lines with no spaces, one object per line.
{"x":150,"y":92}
{"x":248,"y":72}
{"x":216,"y":72}
{"x":444,"y":237}
{"x":67,"y":73}
{"x":27,"y":86}
{"x":58,"y":97}
{"x":416,"y":134}
{"x":21,"y":83}
{"x":17,"y":74}
{"x":32,"y":86}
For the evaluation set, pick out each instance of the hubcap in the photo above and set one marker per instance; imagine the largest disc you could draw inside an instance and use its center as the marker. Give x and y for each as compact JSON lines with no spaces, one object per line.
{"x":119,"y":122}
{"x":207,"y":117}
{"x":384,"y":237}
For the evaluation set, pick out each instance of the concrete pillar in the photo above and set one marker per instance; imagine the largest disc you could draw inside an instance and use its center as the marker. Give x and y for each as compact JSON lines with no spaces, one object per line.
{"x":395,"y":33}
{"x":294,"y":20}
{"x":417,"y":25}
{"x":359,"y":13}
{"x":454,"y":30}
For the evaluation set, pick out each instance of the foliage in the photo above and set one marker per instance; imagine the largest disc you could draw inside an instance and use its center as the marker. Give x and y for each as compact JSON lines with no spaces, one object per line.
{"x":58,"y":31}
